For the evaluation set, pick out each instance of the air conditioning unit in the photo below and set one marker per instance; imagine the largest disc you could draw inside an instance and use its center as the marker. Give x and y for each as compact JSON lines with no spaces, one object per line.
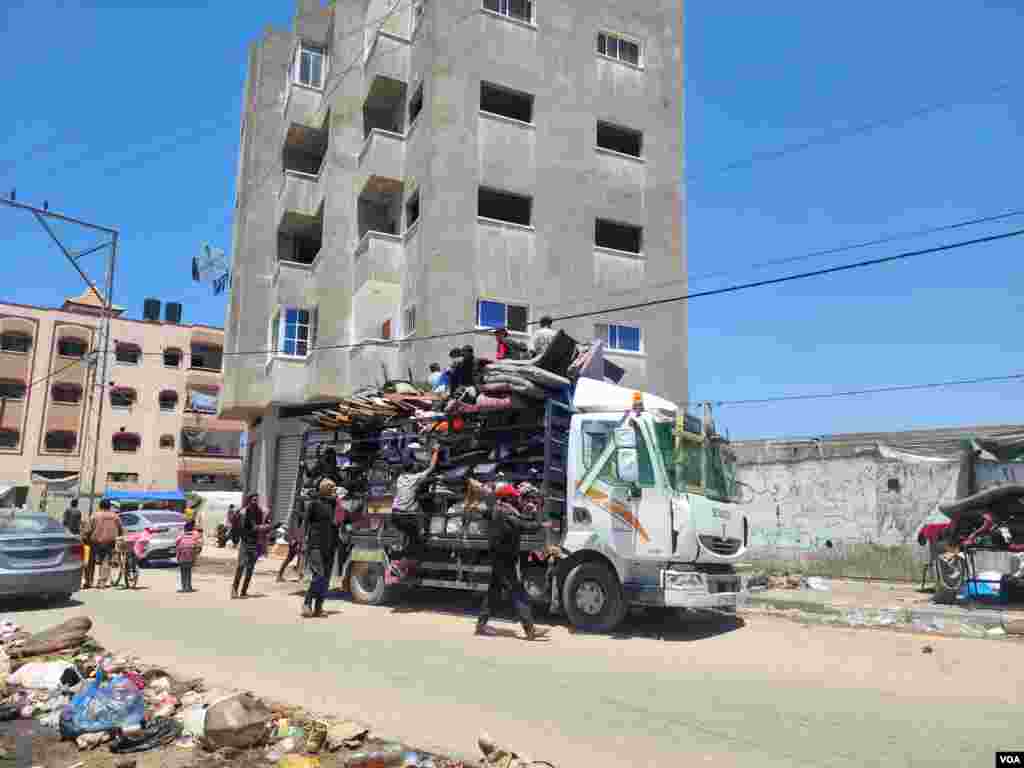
{"x":151,"y":310}
{"x":172,"y":312}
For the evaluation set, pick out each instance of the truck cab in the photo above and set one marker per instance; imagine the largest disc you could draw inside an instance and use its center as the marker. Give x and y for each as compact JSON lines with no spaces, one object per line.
{"x":653,"y":498}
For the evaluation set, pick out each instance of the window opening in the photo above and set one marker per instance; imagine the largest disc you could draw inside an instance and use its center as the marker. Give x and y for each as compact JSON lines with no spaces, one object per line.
{"x":172,"y":358}
{"x":13,"y":341}
{"x":619,"y":139}
{"x":9,"y":438}
{"x":69,"y":346}
{"x":70,"y":394}
{"x":506,"y":102}
{"x":125,"y":442}
{"x":61,"y":441}
{"x":496,"y":314}
{"x":128,"y":354}
{"x":310,"y":70}
{"x":617,"y":47}
{"x":504,"y":206}
{"x":168,"y":400}
{"x":416,"y":104}
{"x":167,"y":441}
{"x":520,"y":10}
{"x":618,"y":237}
{"x":12,"y":389}
{"x":412,"y":209}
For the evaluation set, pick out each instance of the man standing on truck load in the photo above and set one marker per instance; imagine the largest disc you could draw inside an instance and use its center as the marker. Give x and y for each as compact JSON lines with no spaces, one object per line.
{"x":320,"y":535}
{"x":405,"y":509}
{"x":543,"y":336}
{"x":508,"y":348}
{"x":505,"y":529}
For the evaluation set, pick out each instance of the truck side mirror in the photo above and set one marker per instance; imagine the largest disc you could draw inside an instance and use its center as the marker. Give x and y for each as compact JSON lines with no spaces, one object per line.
{"x":744,"y":492}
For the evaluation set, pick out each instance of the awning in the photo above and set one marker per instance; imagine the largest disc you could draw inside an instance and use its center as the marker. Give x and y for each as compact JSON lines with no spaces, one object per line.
{"x":144,"y":495}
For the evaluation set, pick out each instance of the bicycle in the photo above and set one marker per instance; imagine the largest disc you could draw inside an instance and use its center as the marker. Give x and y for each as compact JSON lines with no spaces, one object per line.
{"x":123,"y":565}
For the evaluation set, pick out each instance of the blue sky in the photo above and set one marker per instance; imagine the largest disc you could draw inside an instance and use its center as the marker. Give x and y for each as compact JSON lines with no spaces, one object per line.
{"x":138,"y":112}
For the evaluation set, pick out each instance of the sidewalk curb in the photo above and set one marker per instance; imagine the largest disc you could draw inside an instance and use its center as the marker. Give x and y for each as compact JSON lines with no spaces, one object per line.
{"x":977,"y":622}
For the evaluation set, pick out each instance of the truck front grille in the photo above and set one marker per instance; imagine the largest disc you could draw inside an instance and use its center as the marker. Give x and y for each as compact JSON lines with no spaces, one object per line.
{"x":721,"y":546}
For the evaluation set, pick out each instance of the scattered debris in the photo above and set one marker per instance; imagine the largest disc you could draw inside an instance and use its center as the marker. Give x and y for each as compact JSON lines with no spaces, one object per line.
{"x":346,"y":734}
{"x":927,"y":649}
{"x":817,"y":583}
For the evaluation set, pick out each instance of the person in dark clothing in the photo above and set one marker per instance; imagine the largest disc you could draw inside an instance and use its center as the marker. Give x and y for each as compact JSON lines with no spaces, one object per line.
{"x":295,"y":541}
{"x":252,"y":529}
{"x":234,"y":525}
{"x":320,"y":537}
{"x":73,"y":518}
{"x":509,"y":348}
{"x":505,"y":529}
{"x":464,"y":374}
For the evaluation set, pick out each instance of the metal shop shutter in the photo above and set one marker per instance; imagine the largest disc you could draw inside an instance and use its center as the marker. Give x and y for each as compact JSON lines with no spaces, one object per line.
{"x":252,"y":470}
{"x":287,"y":473}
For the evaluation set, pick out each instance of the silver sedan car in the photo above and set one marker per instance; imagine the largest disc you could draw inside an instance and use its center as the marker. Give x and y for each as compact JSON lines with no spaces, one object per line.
{"x":163,"y":530}
{"x":38,"y":556}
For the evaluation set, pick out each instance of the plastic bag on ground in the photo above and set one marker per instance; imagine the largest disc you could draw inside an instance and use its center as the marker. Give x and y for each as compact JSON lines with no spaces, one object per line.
{"x":45,"y":675}
{"x":102,"y":706}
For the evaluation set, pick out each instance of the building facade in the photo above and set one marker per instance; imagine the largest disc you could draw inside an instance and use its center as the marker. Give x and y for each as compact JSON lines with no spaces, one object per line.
{"x":416,"y":167}
{"x":160,"y":429}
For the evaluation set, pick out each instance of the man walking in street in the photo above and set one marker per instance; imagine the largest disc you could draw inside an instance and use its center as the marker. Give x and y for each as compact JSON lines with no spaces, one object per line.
{"x":295,"y":541}
{"x":505,"y":529}
{"x":320,"y":535}
{"x":543,"y":336}
{"x":103,"y":530}
{"x":252,"y":529}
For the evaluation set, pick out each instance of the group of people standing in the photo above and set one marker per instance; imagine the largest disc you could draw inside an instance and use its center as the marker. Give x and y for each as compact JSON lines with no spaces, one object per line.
{"x":462,"y":365}
{"x":99,"y":532}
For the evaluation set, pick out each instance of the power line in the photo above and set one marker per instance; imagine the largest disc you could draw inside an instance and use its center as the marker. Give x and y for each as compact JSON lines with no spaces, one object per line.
{"x":828,"y":137}
{"x":675,"y":299}
{"x":874,"y":390}
{"x":797,"y":276}
{"x":803,"y":257}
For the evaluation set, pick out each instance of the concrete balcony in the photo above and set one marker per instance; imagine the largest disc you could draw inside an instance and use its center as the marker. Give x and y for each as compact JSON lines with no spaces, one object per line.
{"x":389,"y":57}
{"x":383,"y":154}
{"x":378,"y":259}
{"x":618,"y":269}
{"x":302,"y":106}
{"x":301,"y":194}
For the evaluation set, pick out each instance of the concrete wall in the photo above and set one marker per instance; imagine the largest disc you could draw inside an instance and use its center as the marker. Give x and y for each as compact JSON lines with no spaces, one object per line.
{"x":813,"y":506}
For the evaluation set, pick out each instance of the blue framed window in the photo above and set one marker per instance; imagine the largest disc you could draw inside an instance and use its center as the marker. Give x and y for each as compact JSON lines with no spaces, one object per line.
{"x":497,"y":314}
{"x":297,"y":331}
{"x":624,"y":338}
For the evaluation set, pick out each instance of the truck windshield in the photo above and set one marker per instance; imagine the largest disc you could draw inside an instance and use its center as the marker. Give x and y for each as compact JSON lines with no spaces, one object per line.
{"x":721,"y":466}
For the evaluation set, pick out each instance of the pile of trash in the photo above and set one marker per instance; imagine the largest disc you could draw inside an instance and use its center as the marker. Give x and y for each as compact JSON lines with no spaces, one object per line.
{"x":67,"y":683}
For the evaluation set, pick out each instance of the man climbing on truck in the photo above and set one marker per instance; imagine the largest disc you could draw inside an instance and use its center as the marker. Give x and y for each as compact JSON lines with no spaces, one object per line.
{"x":406,"y":505}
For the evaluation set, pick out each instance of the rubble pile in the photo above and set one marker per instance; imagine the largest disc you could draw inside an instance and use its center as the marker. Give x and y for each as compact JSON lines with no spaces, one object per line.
{"x":80,"y":693}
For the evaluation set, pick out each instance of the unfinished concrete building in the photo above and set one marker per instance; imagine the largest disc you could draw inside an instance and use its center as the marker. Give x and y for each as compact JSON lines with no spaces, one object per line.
{"x":414,"y":167}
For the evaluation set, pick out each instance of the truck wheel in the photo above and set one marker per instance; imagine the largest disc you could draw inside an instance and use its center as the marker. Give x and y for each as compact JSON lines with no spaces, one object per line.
{"x":367,"y":583}
{"x":593,"y":599}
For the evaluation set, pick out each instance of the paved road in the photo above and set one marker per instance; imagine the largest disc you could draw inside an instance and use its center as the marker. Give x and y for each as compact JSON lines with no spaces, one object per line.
{"x":767,"y":693}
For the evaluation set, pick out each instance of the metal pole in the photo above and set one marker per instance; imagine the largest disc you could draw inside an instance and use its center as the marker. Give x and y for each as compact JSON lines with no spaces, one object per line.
{"x":90,"y":384}
{"x":52,"y":215}
{"x":102,"y":368}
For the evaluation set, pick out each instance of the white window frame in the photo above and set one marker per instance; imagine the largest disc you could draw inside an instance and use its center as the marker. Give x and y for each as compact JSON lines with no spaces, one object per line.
{"x":304,"y":47}
{"x":281,"y":338}
{"x":504,"y":9}
{"x":617,"y":349}
{"x":617,"y":36}
{"x":480,"y":326}
{"x":409,"y":328}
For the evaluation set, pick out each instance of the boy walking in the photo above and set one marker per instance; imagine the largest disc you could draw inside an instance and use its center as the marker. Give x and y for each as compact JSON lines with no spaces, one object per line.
{"x":185,"y":549}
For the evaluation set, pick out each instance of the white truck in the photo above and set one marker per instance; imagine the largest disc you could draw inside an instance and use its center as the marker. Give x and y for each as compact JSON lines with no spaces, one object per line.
{"x":639,"y":499}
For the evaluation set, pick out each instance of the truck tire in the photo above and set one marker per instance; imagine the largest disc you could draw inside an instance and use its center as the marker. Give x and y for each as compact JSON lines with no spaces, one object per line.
{"x":367,"y":583}
{"x":593,"y":599}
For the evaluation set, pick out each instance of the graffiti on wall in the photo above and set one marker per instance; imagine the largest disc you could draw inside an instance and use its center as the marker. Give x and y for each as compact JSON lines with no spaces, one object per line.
{"x":826,"y":505}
